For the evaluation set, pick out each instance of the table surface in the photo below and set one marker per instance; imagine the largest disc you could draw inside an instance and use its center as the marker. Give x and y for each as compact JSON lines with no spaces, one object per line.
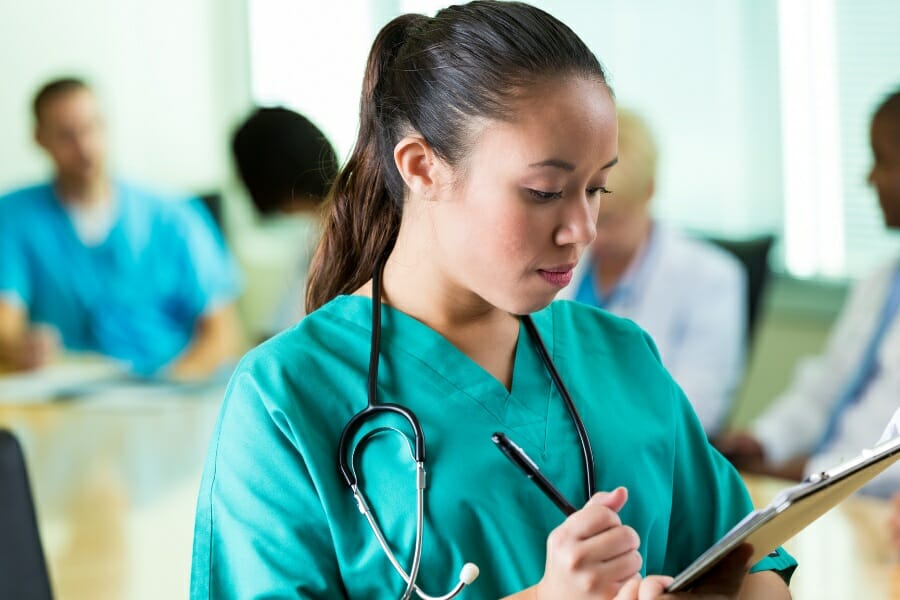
{"x":115,"y":478}
{"x":845,"y":554}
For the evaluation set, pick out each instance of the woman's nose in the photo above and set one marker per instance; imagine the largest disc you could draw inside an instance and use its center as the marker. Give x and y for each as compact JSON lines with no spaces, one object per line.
{"x":580,"y":226}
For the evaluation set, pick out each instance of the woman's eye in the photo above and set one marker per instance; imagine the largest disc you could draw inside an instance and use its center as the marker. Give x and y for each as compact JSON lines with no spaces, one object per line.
{"x":544,"y":196}
{"x":598,"y":190}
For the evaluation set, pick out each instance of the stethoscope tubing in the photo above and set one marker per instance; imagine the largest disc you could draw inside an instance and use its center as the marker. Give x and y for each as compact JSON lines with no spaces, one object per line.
{"x":586,"y":449}
{"x":373,"y":408}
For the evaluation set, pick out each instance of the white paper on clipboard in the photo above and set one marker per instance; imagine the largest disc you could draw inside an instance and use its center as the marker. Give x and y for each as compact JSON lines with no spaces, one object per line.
{"x":792,"y":510}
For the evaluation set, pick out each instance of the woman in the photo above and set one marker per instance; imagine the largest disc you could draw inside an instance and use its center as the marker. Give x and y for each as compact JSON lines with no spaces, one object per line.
{"x":486,"y":137}
{"x":689,"y":295}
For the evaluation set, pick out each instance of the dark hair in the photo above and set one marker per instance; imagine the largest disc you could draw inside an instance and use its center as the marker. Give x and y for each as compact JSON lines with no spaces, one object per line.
{"x":889,"y":107}
{"x":431,"y":76}
{"x":281,"y":155}
{"x":54,"y":89}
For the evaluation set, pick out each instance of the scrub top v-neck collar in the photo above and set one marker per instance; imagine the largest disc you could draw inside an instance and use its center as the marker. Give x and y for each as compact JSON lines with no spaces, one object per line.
{"x":521,"y":412}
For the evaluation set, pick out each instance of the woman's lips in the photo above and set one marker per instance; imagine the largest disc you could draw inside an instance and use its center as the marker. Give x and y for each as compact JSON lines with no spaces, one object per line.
{"x":558,"y":276}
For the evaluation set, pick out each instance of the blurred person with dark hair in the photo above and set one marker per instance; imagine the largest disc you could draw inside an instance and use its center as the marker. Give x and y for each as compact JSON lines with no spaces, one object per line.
{"x":287,"y":165}
{"x":689,"y":295}
{"x":92,"y":263}
{"x":839,"y":402}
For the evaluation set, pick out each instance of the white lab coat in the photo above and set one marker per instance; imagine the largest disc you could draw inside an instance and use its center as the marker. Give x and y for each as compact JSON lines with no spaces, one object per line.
{"x":690,"y":296}
{"x":888,"y":483}
{"x":796,"y":421}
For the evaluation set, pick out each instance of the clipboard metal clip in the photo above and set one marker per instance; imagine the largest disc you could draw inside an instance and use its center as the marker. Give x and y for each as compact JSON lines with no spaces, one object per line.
{"x":816,"y":477}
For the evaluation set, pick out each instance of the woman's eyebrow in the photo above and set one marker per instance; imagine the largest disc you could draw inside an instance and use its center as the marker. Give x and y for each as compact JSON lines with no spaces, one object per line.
{"x":566,"y":166}
{"x":554,"y":162}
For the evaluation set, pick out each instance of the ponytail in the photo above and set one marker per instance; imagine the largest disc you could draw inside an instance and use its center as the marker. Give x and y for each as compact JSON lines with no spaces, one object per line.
{"x":362,"y":213}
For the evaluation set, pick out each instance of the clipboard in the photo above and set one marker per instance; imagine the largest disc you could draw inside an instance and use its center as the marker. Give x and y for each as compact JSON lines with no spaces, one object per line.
{"x":792,"y":510}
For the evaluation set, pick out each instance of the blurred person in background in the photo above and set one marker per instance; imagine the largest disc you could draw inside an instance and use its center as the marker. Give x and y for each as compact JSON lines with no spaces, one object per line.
{"x":689,"y":295}
{"x":91,"y":263}
{"x":839,"y":402}
{"x":287,"y":165}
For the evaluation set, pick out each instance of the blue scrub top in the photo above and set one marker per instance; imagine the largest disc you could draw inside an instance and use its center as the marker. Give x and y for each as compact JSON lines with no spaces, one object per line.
{"x":275,"y":519}
{"x":137,"y":295}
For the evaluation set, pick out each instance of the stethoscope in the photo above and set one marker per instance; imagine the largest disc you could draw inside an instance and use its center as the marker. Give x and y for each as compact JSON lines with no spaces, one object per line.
{"x":469,"y":571}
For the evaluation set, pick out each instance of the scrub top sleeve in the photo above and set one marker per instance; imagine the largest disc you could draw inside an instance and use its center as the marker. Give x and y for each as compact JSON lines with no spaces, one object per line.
{"x":15,"y":284}
{"x":260,"y":531}
{"x":213,"y":275}
{"x":708,"y":497}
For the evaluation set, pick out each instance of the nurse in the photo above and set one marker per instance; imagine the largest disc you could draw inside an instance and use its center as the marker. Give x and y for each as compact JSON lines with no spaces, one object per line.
{"x":487,"y":134}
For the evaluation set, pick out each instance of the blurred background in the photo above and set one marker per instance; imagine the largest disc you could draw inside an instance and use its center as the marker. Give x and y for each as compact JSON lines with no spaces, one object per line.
{"x":760,"y":107}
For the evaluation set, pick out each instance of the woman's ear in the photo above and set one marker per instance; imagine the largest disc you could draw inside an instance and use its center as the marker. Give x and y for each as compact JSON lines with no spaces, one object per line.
{"x":418,"y":165}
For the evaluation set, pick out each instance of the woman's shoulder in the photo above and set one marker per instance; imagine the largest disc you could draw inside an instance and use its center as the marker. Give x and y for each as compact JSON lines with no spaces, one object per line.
{"x":580,"y":324}
{"x":327,"y":329}
{"x":299,"y":358}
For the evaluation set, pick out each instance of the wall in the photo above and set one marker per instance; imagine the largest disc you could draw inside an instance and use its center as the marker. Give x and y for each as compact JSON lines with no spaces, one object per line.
{"x":171,"y":75}
{"x":175,"y":77}
{"x":705,"y":75}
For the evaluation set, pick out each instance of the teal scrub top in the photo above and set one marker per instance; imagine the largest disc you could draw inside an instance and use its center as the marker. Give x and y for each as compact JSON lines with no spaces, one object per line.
{"x":138,"y":294}
{"x":275,"y":519}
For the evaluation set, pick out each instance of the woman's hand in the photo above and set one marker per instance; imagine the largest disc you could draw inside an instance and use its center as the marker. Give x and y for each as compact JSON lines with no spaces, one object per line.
{"x":591,"y":555}
{"x":721,"y":583}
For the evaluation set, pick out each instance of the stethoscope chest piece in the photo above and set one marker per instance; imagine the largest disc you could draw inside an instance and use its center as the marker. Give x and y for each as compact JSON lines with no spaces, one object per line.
{"x":348,"y":457}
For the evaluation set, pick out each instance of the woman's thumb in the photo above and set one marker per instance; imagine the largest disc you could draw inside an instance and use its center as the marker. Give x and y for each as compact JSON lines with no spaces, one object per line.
{"x":613,"y":500}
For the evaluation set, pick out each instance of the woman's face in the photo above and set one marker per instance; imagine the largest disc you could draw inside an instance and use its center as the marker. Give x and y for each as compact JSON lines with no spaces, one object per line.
{"x":515,"y":216}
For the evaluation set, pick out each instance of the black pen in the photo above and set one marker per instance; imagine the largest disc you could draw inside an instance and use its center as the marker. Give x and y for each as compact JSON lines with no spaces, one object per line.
{"x":528,"y":466}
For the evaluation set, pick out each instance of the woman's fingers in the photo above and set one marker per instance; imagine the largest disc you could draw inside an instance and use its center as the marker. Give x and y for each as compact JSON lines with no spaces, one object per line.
{"x":629,"y":591}
{"x":652,"y":587}
{"x":592,"y":554}
{"x":599,"y":514}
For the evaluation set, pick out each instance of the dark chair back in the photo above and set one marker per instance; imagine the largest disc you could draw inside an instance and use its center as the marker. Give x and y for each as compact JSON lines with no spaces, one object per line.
{"x":23,"y":572}
{"x":213,"y":203}
{"x":753,"y":254}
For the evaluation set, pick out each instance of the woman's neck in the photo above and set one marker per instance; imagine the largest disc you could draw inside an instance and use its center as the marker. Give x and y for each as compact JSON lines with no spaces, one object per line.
{"x":414,"y":283}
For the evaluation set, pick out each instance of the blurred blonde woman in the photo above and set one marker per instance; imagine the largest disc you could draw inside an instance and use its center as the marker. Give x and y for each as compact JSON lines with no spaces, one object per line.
{"x":689,"y":295}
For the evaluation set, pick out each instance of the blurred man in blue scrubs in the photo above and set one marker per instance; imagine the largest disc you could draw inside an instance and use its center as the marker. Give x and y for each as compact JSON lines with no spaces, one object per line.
{"x":90,"y":263}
